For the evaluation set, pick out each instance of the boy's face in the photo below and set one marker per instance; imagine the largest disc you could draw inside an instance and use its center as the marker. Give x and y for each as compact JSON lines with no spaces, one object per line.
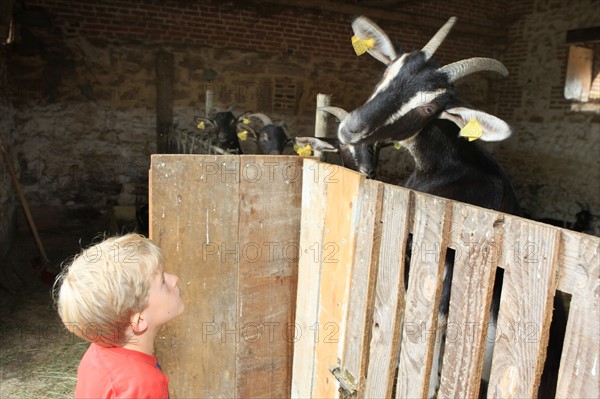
{"x":164,"y":301}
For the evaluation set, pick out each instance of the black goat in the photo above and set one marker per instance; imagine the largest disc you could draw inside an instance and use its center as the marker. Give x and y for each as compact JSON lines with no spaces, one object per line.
{"x":417,"y":104}
{"x":271,"y":138}
{"x":223,"y":127}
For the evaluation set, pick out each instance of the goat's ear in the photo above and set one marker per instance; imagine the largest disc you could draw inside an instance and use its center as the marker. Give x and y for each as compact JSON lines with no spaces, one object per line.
{"x":249,"y":131}
{"x":492,"y":128}
{"x":378,"y":44}
{"x":315,"y":143}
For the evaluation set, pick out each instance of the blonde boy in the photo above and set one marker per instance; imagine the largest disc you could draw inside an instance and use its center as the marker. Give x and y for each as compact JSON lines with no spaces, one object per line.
{"x":116,"y":295}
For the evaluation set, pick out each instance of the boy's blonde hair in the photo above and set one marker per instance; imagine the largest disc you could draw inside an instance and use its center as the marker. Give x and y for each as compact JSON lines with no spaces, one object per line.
{"x":105,"y":285}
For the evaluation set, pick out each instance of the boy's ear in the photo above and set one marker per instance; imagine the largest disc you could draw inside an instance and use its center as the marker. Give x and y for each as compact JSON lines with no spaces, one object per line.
{"x":138,"y":323}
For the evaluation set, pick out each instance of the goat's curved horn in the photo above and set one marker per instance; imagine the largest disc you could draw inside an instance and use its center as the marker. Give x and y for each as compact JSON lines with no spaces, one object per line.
{"x":338,"y":112}
{"x":438,"y":38}
{"x":207,"y":121}
{"x":263,"y":118}
{"x":460,"y":69}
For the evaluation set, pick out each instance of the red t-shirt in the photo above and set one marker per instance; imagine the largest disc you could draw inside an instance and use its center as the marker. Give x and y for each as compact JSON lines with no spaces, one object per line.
{"x":119,"y":373}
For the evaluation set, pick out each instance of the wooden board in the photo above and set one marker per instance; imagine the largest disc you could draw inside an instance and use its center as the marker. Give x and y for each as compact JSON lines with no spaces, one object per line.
{"x":579,"y":374}
{"x":362,"y":284}
{"x":389,"y":294}
{"x":190,"y":221}
{"x":430,"y":232}
{"x":574,"y":268}
{"x":269,"y":228}
{"x":236,"y":256}
{"x":314,"y":191}
{"x":337,"y":257}
{"x":476,"y":258}
{"x":530,"y":256}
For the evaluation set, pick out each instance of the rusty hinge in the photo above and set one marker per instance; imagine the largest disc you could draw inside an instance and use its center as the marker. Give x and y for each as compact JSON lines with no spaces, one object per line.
{"x":348,"y":389}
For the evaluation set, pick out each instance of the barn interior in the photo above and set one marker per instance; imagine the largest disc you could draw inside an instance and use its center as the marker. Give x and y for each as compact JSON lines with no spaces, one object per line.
{"x":88,"y":92}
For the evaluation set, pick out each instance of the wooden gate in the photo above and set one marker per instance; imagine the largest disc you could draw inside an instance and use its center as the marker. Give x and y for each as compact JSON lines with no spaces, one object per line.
{"x":229,"y":227}
{"x":242,"y":232}
{"x":364,"y":334}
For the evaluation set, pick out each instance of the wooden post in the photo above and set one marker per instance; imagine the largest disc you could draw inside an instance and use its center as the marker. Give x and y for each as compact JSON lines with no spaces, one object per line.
{"x":323,"y":100}
{"x":24,"y":203}
{"x":208,"y":106}
{"x":164,"y":99}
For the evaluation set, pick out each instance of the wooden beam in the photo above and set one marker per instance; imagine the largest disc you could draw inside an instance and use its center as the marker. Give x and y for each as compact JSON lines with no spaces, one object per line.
{"x":584,"y":35}
{"x":164,"y":99}
{"x":525,"y":312}
{"x":428,"y":254}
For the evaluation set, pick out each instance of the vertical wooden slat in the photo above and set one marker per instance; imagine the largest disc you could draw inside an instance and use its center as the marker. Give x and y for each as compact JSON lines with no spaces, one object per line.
{"x":165,"y":75}
{"x":314,"y":191}
{"x":574,"y":268}
{"x":530,"y":260}
{"x":193,"y":223}
{"x":269,"y":225}
{"x":476,"y":258}
{"x":389,"y":294}
{"x":337,"y":256}
{"x":362,"y":285}
{"x":432,"y":219}
{"x":579,"y":374}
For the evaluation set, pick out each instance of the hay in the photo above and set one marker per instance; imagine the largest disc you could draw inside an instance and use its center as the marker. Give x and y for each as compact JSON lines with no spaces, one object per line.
{"x":38,"y":356}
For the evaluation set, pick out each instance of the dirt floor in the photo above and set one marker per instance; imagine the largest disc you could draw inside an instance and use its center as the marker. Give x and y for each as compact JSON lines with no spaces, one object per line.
{"x":38,"y":356}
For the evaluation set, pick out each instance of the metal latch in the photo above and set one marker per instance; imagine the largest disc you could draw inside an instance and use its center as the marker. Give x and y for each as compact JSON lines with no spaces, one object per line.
{"x":347,"y":382}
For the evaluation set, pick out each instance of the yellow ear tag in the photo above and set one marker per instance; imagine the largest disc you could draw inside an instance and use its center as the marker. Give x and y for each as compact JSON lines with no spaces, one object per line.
{"x":397,"y":145}
{"x":246,"y":121}
{"x":200,"y":125}
{"x":303,"y":151}
{"x":243,"y":135}
{"x":472,"y":130}
{"x":361,"y":46}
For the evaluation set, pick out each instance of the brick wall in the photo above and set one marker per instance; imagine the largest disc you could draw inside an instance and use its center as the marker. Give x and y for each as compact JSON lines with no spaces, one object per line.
{"x":257,"y":27}
{"x":84,"y":79}
{"x":86,"y":82}
{"x":553,"y":156}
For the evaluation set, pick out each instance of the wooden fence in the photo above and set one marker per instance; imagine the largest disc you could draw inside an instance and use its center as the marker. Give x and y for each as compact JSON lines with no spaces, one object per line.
{"x":355,"y":325}
{"x":229,"y":227}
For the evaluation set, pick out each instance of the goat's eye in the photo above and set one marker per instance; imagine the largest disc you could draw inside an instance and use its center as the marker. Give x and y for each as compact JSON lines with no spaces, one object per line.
{"x":427,"y":110}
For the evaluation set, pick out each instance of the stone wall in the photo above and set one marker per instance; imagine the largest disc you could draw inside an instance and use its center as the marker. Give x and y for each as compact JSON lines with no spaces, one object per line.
{"x":553,"y":156}
{"x":84,"y":83}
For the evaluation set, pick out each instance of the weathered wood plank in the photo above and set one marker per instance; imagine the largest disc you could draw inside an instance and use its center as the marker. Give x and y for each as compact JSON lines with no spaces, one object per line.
{"x":530,"y":256}
{"x":573,"y":271}
{"x":389,"y":294}
{"x":268,"y":256}
{"x":362,"y":284}
{"x":476,"y":258}
{"x":430,"y":232}
{"x":191,"y":222}
{"x":309,"y":276}
{"x":579,"y":374}
{"x":337,"y":256}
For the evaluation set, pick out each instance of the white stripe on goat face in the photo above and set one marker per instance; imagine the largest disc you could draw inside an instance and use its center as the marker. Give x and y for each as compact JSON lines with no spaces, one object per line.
{"x":419,"y":99}
{"x":389,"y":75}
